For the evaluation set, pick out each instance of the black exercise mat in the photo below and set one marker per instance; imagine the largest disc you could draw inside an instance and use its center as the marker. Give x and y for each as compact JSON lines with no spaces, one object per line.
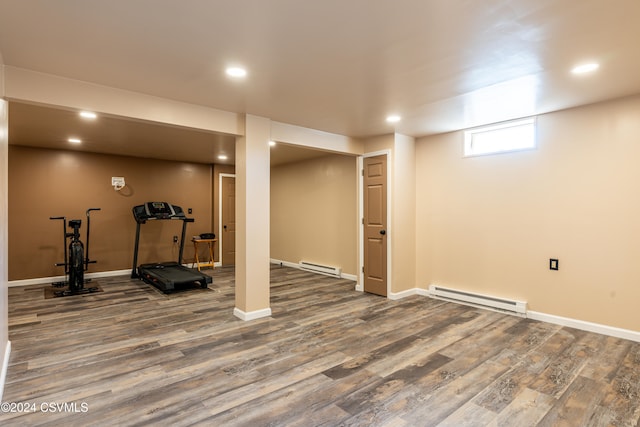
{"x":54,"y":292}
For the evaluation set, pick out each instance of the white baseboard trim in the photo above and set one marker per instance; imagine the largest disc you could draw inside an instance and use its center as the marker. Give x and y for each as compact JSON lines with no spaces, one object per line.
{"x":359,"y":287}
{"x":402,"y":294}
{"x":296,"y":265}
{"x":423,"y":292}
{"x":251,"y":315}
{"x":585,"y":326}
{"x":407,"y":293}
{"x":5,"y":367}
{"x":553,"y":319}
{"x":41,"y":280}
{"x":284,"y":263}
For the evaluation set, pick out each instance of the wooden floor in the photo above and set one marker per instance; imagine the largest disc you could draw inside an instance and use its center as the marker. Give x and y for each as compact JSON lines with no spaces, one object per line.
{"x":328,"y":356}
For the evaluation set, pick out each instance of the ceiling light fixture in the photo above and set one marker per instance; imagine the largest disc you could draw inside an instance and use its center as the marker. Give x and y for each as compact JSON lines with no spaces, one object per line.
{"x":222,"y":157}
{"x":88,"y":115}
{"x":74,"y":140}
{"x":236,"y":72}
{"x":393,"y":118}
{"x":272,"y":143}
{"x":585,"y":68}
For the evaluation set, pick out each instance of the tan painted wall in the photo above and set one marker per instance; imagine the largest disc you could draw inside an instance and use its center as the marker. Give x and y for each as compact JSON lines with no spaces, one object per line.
{"x":314,"y":208}
{"x":44,"y":183}
{"x":490,"y":224}
{"x":379,"y":143}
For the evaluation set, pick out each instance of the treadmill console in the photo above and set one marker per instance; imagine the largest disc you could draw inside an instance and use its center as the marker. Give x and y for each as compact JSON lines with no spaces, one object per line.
{"x":157,"y":210}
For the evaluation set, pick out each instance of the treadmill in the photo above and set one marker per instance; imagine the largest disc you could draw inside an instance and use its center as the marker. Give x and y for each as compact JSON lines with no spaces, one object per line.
{"x":166,"y":276}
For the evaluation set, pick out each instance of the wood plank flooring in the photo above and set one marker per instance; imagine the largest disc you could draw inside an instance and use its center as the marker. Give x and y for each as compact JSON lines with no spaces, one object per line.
{"x":328,"y":356}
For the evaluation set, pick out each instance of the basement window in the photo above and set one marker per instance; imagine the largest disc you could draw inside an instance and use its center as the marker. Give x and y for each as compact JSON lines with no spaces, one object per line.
{"x":504,"y":137}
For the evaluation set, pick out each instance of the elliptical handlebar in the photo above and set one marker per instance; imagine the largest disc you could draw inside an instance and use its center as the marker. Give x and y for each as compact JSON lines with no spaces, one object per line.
{"x":86,"y":258}
{"x":64,"y":242}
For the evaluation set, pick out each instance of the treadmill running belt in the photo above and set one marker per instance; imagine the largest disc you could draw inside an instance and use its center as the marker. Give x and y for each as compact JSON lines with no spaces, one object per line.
{"x":169,"y":275}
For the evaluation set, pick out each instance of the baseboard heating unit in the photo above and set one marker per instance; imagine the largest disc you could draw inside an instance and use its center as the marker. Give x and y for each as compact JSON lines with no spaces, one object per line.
{"x":322,"y":269}
{"x":518,"y":308}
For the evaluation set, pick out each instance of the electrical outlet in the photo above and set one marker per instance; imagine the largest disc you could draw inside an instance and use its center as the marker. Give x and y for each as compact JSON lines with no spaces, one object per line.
{"x":175,"y":239}
{"x":190,"y":211}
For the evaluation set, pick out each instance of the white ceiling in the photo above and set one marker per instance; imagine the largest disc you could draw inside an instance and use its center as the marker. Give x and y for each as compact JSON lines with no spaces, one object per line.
{"x":339,"y":66}
{"x":46,"y":127}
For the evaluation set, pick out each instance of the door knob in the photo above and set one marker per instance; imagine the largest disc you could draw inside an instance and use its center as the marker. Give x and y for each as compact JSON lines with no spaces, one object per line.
{"x":224,"y":226}
{"x":383,"y":232}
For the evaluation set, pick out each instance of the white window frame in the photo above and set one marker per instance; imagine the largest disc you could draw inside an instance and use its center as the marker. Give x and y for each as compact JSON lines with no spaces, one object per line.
{"x":470,"y":136}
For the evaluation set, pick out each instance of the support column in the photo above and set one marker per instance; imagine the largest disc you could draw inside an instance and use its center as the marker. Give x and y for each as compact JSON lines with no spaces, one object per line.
{"x":5,"y":344}
{"x":252,"y":219}
{"x":403,"y":211}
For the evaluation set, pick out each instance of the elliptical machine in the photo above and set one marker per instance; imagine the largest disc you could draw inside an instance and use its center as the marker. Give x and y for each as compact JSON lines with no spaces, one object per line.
{"x":75,"y":263}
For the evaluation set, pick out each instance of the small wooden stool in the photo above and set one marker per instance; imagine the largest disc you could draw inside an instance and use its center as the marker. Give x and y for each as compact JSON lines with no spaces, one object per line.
{"x":210,"y":243}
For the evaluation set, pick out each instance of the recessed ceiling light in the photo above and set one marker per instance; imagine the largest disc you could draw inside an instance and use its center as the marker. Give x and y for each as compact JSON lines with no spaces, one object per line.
{"x":236,"y":72}
{"x":74,"y":140}
{"x":585,"y":68}
{"x":393,"y":119}
{"x":272,"y":143}
{"x":222,"y":157}
{"x":88,"y":114}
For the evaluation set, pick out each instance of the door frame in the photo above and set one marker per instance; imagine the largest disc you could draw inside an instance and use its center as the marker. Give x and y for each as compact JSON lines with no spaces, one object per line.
{"x":387,"y":153}
{"x":220,"y":176}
